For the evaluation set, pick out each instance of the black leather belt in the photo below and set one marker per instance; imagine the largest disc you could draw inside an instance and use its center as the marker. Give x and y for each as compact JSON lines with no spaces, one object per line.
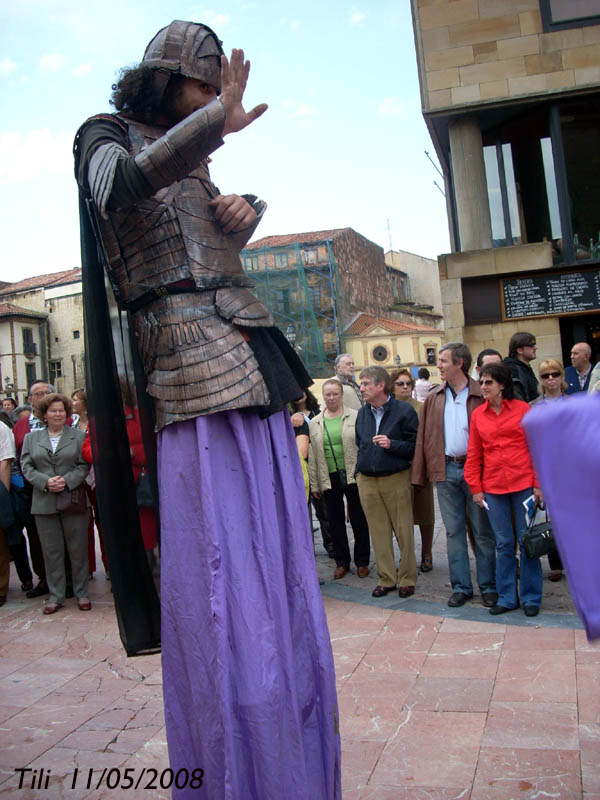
{"x":456,"y":459}
{"x":200,"y":284}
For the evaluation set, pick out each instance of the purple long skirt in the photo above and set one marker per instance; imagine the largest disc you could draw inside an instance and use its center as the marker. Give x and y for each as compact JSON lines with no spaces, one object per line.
{"x":248,"y":675}
{"x":564,"y":437}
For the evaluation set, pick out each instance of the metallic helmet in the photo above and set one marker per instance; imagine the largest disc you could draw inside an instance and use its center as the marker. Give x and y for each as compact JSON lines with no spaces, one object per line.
{"x":184,"y":48}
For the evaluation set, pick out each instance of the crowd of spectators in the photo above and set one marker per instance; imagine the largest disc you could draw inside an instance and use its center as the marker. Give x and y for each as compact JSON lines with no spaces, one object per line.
{"x":372,"y":457}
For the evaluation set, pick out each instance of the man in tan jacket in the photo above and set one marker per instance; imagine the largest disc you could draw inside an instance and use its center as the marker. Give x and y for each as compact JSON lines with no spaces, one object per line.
{"x":440,"y":456}
{"x":344,"y":372}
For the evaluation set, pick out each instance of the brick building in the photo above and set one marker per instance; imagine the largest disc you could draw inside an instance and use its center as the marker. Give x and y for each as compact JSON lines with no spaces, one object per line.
{"x":41,"y":333}
{"x":315,"y":283}
{"x":510,"y":92}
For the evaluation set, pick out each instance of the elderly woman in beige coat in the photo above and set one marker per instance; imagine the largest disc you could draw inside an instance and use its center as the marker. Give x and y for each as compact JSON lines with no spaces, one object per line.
{"x":331,"y":466}
{"x":51,"y":461}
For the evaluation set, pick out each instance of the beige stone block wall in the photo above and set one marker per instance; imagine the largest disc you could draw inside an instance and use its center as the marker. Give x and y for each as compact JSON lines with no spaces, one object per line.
{"x":546,"y":332}
{"x":476,"y":51}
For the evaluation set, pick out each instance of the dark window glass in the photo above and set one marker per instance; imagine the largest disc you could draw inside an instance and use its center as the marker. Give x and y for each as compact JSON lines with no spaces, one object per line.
{"x":481,"y":300}
{"x":557,"y":14}
{"x":30,"y":374}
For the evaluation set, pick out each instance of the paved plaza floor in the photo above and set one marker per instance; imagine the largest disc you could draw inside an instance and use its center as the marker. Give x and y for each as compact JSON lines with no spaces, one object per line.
{"x":435,"y":703}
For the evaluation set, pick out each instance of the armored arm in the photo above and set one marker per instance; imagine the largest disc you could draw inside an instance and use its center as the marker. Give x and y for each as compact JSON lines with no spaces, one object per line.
{"x":183,"y":147}
{"x":117,"y":180}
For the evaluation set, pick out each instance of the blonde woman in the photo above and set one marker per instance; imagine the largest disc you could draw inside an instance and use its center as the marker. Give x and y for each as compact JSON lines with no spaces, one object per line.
{"x":554,"y":387}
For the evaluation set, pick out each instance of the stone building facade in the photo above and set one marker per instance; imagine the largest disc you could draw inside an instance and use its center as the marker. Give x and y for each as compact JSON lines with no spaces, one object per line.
{"x":510,"y":92}
{"x":418,"y":280}
{"x":391,"y":343}
{"x":51,"y":306}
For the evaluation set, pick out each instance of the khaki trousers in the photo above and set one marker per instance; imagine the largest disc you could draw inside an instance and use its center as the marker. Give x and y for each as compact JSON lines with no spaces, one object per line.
{"x":387,"y":504}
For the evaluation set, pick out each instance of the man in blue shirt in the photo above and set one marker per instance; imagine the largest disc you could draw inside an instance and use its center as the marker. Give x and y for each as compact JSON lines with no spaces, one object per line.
{"x":440,"y":456}
{"x":577,"y":376}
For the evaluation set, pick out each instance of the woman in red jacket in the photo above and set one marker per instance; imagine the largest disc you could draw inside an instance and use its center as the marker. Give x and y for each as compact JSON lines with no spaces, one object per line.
{"x":501,"y":477}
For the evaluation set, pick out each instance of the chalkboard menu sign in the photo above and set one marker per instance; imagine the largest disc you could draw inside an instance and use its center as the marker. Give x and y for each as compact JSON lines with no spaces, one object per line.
{"x":555,"y":293}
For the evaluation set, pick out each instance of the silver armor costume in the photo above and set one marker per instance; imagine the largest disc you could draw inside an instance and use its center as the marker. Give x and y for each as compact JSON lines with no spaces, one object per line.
{"x":196,"y":359}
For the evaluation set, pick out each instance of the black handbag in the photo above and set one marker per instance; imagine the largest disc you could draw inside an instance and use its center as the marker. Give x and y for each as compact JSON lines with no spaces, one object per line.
{"x":341,"y":473}
{"x":538,"y":540}
{"x":71,"y":501}
{"x":144,"y":493}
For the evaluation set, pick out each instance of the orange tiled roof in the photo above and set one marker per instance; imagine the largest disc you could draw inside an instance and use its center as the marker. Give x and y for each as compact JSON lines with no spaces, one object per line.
{"x":11,"y":310}
{"x":363,"y":323}
{"x":291,"y":238}
{"x":43,"y":281}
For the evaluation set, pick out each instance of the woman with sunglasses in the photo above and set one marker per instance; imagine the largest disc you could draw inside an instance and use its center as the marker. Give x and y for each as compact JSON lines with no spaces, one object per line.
{"x":403,"y":385}
{"x":501,"y":477}
{"x":554,"y":386}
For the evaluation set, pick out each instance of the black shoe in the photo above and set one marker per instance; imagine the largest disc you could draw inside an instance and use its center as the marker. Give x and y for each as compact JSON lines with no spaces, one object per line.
{"x":495,"y":610}
{"x":69,"y":591}
{"x":531,"y":611}
{"x":489,"y":599}
{"x":38,"y":591}
{"x":458,"y":599}
{"x":381,"y":591}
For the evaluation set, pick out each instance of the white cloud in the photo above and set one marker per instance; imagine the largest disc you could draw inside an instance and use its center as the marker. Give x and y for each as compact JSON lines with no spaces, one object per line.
{"x":34,"y":155}
{"x":291,"y":24}
{"x":297,"y":109}
{"x":7,"y":65}
{"x":210,"y":17}
{"x":356,"y":16}
{"x":81,"y":70}
{"x":52,"y":62}
{"x":391,"y":105}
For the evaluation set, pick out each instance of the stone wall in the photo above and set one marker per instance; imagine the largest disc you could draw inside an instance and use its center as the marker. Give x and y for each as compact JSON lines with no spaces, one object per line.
{"x":364,"y":279}
{"x":477,"y":51}
{"x":521,"y":258}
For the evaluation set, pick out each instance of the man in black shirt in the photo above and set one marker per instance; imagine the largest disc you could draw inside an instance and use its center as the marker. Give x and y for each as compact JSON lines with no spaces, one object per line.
{"x":521,"y":351}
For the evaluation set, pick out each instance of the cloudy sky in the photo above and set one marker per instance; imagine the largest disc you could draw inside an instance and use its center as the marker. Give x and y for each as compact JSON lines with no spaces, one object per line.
{"x":342,"y":143}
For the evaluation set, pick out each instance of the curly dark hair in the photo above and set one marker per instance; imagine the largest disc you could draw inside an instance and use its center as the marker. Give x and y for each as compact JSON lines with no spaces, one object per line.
{"x":135,"y":93}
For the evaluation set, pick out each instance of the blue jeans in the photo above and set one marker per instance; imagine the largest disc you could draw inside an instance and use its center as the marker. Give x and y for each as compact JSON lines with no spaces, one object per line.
{"x":506,"y":562}
{"x":454,"y":496}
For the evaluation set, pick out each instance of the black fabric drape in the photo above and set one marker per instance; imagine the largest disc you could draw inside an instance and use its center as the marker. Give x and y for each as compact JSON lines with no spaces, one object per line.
{"x":136,"y":600}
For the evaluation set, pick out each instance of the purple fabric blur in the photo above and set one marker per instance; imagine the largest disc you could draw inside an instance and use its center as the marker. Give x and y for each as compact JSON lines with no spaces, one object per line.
{"x":564,"y":438}
{"x":248,"y":675}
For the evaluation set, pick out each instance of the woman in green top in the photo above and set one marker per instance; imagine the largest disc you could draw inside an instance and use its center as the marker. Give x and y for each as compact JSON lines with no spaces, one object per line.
{"x":403,"y":384}
{"x":331,"y":467}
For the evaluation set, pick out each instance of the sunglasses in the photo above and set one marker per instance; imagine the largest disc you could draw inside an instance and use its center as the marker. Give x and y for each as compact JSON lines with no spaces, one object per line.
{"x":402,"y":383}
{"x":547,"y":375}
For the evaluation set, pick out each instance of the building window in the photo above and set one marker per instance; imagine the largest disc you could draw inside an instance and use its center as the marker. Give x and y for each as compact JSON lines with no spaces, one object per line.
{"x":430,"y":355}
{"x":314,"y":292}
{"x":76,"y":334}
{"x":281,"y":259}
{"x":380,"y":353}
{"x":559,"y":14}
{"x":55,"y":368}
{"x":251,"y":263}
{"x":30,"y":374}
{"x":282,"y":301}
{"x":29,"y":347}
{"x":311,"y":256}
